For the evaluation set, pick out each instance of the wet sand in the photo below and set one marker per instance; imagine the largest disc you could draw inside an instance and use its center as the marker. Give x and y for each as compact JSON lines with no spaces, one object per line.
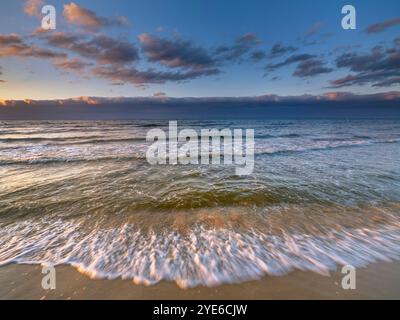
{"x":377,"y":281}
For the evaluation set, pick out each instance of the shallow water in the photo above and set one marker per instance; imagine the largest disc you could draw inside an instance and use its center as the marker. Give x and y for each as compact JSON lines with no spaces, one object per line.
{"x":82,"y":193}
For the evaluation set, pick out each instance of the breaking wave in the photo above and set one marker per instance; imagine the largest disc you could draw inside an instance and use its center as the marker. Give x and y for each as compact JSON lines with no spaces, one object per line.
{"x":206,"y":256}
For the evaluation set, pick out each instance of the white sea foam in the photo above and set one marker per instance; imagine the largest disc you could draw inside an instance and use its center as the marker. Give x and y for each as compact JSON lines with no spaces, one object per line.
{"x":200,"y":257}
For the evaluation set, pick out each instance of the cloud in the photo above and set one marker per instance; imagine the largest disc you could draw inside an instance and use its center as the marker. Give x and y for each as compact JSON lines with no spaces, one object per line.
{"x":258,"y":55}
{"x":74,"y":64}
{"x":162,"y":96}
{"x":101,"y":48}
{"x":388,"y":82}
{"x":307,"y":65}
{"x":87,"y":100}
{"x":346,"y":47}
{"x":32,"y":7}
{"x":267,"y":99}
{"x":14,"y":45}
{"x":380,"y":27}
{"x":332,"y":104}
{"x":150,"y":76}
{"x":379,"y":68}
{"x":314,"y":29}
{"x":376,"y":79}
{"x":278,"y":49}
{"x":311,"y":67}
{"x":313,"y":36}
{"x":10,"y":39}
{"x":112,"y":59}
{"x":376,"y":60}
{"x":292,"y":59}
{"x":80,"y":16}
{"x":159,"y":94}
{"x":175,"y":53}
{"x":241,"y":47}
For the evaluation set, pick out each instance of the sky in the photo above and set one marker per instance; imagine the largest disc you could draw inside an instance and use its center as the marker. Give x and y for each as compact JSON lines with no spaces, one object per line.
{"x":265,"y":51}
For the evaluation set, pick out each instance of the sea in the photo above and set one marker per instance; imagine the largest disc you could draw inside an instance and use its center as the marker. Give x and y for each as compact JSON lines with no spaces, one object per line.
{"x":323,"y":194}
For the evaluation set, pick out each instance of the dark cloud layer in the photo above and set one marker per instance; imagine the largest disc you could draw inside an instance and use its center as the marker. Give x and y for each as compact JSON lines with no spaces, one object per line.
{"x":176,"y":53}
{"x":278,"y":49}
{"x":14,"y":45}
{"x":150,"y":76}
{"x":290,"y":60}
{"x":113,"y":58}
{"x":329,"y":105}
{"x":379,"y":68}
{"x":258,"y":55}
{"x":311,"y":67}
{"x":101,"y":48}
{"x":238,"y":49}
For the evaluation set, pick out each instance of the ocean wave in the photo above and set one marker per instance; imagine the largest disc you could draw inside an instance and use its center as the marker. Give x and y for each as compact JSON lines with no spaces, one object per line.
{"x":104,"y":141}
{"x":217,"y":197}
{"x":391,"y":141}
{"x":151,"y":125}
{"x":290,"y":135}
{"x":271,"y":136}
{"x":202,"y":256}
{"x":43,"y":161}
{"x":310,"y":148}
{"x":91,"y":150}
{"x":44,"y":139}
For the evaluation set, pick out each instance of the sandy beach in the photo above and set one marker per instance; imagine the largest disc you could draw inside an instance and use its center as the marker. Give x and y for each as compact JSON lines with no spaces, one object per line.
{"x":377,"y":281}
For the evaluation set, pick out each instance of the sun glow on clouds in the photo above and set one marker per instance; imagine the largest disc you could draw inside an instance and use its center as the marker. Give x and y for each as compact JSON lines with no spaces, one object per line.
{"x":32,"y":7}
{"x":80,"y":16}
{"x":87,"y":100}
{"x":83,"y":47}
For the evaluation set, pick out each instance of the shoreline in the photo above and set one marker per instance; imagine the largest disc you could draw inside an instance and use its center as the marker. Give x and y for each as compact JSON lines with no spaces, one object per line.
{"x":376,"y":281}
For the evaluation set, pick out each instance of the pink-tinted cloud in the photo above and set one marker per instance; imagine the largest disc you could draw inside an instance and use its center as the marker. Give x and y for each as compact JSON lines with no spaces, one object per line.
{"x":87,"y":100}
{"x":75,"y":65}
{"x":32,"y":7}
{"x":83,"y":17}
{"x":314,"y":29}
{"x":382,"y":26}
{"x":102,"y":49}
{"x":14,"y":45}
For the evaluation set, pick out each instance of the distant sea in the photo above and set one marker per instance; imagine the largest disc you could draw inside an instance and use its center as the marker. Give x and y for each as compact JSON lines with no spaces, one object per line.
{"x":81,"y":193}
